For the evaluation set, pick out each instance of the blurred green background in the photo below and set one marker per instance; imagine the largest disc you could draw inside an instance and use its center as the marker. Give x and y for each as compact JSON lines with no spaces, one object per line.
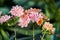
{"x":50,"y":7}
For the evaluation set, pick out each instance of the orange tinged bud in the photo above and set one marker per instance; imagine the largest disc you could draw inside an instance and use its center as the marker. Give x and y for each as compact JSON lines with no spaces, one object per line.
{"x":40,"y":21}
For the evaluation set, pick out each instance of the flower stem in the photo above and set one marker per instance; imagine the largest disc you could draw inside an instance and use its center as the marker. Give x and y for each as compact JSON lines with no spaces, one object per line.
{"x":15,"y":33}
{"x":44,"y":33}
{"x":33,"y":33}
{"x":42,"y":38}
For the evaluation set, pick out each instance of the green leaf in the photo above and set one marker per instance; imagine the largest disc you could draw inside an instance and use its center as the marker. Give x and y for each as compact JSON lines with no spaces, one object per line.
{"x":47,"y":11}
{"x":49,"y":37}
{"x":4,"y":25}
{"x":0,"y":37}
{"x":5,"y":35}
{"x":24,"y":31}
{"x":13,"y":21}
{"x":4,"y":10}
{"x":25,"y":38}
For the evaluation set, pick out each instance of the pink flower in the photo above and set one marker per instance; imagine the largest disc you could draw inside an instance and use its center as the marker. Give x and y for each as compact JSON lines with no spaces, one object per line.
{"x":32,"y":10}
{"x":17,"y":11}
{"x":33,"y":14}
{"x":24,"y":21}
{"x":4,"y":18}
{"x":33,"y":17}
{"x":52,"y":30}
{"x":47,"y":25}
{"x":41,"y":15}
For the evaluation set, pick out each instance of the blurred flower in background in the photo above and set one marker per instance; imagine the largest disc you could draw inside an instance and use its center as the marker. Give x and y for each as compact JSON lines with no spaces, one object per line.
{"x":4,"y":18}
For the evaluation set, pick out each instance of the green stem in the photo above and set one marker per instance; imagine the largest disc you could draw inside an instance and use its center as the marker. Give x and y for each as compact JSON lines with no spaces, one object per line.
{"x":42,"y":38}
{"x":15,"y":33}
{"x":43,"y":32}
{"x":33,"y":33}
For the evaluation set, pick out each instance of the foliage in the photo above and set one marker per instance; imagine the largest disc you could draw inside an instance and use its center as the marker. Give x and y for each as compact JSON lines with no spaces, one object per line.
{"x":50,"y":7}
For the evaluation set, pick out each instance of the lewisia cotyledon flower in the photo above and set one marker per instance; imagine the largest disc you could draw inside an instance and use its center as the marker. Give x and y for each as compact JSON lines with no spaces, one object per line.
{"x":24,"y":21}
{"x":33,"y":14}
{"x":4,"y":18}
{"x":39,"y":21}
{"x":17,"y":11}
{"x":49,"y":27}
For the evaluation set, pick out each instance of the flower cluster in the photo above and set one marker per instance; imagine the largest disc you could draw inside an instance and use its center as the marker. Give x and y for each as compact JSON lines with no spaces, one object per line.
{"x":26,"y":16}
{"x":49,"y":27}
{"x":4,"y":18}
{"x":32,"y":14}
